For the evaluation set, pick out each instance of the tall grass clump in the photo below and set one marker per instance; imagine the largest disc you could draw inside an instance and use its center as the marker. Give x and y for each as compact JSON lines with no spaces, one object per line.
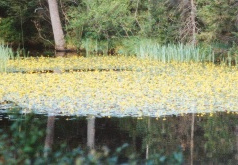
{"x":94,"y":47}
{"x":174,"y":52}
{"x":226,"y":54}
{"x":127,"y":46}
{"x":6,"y":54}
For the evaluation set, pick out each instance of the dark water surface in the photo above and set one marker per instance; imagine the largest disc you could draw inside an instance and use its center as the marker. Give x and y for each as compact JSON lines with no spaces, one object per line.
{"x":210,"y":139}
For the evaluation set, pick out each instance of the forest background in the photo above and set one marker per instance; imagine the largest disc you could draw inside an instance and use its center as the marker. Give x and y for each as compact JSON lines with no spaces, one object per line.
{"x":117,"y":26}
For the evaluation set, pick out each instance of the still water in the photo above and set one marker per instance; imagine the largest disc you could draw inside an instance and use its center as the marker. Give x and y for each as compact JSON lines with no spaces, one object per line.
{"x":208,"y":139}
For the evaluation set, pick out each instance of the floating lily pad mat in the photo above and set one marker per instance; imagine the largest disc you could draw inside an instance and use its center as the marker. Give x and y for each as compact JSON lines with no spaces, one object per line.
{"x":142,"y":87}
{"x":201,"y":138}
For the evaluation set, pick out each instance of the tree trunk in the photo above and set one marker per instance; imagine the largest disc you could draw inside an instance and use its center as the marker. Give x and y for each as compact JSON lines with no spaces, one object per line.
{"x":193,"y":16}
{"x":188,"y":29}
{"x":56,"y":25}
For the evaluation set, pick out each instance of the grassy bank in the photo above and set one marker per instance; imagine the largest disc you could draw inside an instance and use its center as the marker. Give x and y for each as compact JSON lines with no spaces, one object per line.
{"x":153,"y":49}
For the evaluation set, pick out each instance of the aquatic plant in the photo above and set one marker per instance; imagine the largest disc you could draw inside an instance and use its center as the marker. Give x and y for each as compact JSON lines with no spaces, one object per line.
{"x":94,"y":47}
{"x":174,"y":52}
{"x":5,"y":54}
{"x":120,"y":86}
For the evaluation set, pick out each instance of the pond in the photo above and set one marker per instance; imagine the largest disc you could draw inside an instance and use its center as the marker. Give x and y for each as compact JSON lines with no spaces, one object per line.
{"x":199,"y":138}
{"x":118,"y":86}
{"x":117,"y":109}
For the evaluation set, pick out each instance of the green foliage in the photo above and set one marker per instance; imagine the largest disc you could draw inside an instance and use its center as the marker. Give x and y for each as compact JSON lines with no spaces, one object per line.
{"x":224,"y":53}
{"x":120,"y":20}
{"x":127,"y":46}
{"x":17,"y":22}
{"x":22,"y":145}
{"x":93,"y":46}
{"x":105,"y":156}
{"x":9,"y":31}
{"x":150,"y":48}
{"x":218,"y":19}
{"x":219,"y":134}
{"x":103,"y":26}
{"x":99,"y":20}
{"x":232,"y":58}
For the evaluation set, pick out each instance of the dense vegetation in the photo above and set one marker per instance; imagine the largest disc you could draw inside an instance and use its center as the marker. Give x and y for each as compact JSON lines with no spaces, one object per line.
{"x":116,"y":26}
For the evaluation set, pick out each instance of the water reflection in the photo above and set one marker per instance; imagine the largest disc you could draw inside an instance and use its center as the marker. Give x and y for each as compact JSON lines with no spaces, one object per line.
{"x":202,"y":139}
{"x":192,"y":138}
{"x":91,"y":132}
{"x":236,"y":146}
{"x":49,"y":139}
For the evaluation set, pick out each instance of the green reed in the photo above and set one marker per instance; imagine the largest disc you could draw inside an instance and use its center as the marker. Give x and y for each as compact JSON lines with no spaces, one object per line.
{"x":174,"y":52}
{"x":6,"y":54}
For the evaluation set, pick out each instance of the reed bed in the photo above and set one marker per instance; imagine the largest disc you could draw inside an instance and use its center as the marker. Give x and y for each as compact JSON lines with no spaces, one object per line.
{"x":172,"y":52}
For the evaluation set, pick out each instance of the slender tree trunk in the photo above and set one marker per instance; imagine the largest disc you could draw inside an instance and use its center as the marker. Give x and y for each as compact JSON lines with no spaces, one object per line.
{"x":56,"y":25}
{"x":150,"y":14}
{"x":193,"y":21}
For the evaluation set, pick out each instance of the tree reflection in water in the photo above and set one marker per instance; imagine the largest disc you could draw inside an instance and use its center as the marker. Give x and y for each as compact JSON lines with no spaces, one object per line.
{"x":49,"y":139}
{"x":202,"y":139}
{"x":91,"y":132}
